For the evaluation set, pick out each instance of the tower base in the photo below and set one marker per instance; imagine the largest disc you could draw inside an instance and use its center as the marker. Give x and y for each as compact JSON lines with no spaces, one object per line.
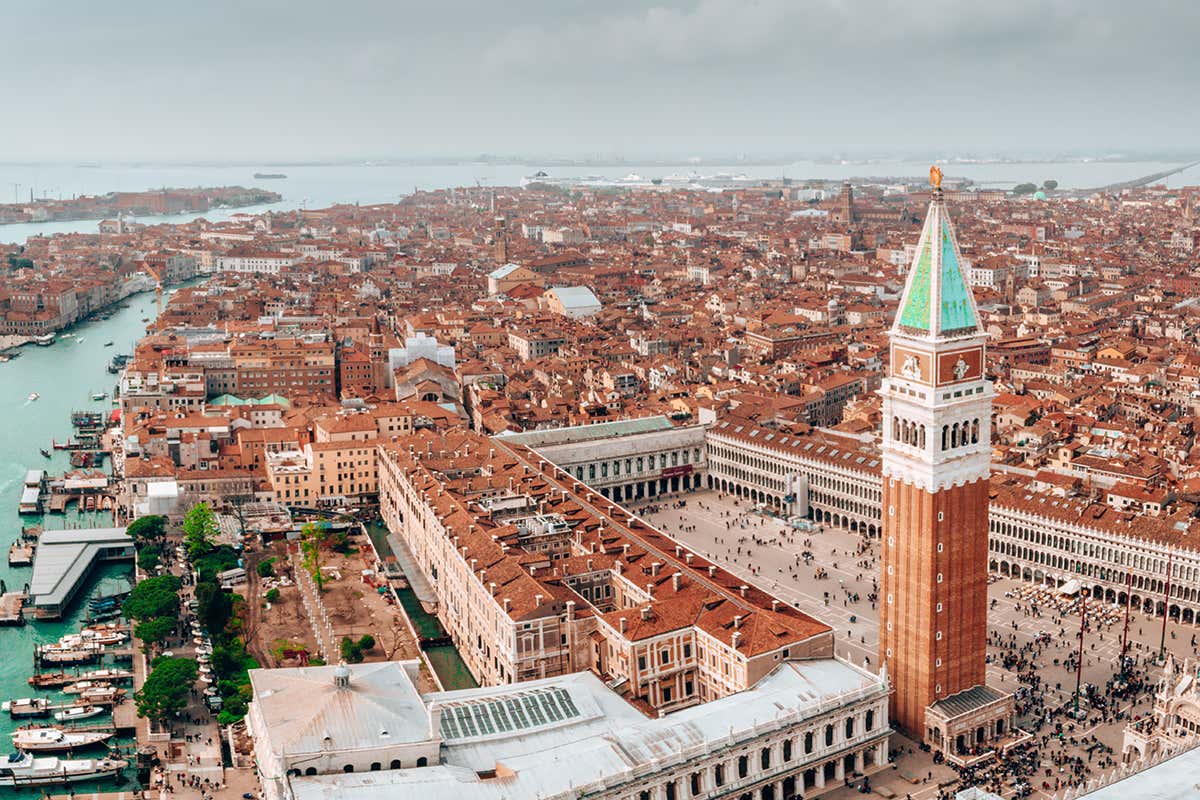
{"x":967,"y":725}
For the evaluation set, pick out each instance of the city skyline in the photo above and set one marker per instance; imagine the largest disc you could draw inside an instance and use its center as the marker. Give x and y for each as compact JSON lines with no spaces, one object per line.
{"x":372,"y":80}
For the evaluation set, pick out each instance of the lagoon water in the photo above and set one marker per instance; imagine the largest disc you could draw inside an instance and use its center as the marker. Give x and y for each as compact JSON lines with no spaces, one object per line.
{"x":65,"y":375}
{"x":317,"y":186}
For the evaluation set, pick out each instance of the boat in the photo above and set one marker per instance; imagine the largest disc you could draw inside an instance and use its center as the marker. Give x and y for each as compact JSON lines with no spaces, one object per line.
{"x":108,"y":344}
{"x":45,"y":452}
{"x":23,"y":769}
{"x":109,"y":674}
{"x":99,"y":395}
{"x":145,"y":319}
{"x":84,"y":687}
{"x":79,"y":340}
{"x":46,"y":740}
{"x":26,"y":707}
{"x":100,"y":694}
{"x":45,"y":340}
{"x":269,"y":176}
{"x":72,"y":713}
{"x":33,"y":396}
{"x":47,"y":680}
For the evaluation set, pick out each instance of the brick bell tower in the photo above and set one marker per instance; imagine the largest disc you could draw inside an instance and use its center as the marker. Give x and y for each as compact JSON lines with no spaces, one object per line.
{"x":937,"y":407}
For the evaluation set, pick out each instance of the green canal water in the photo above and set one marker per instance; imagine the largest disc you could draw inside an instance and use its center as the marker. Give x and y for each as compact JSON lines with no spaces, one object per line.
{"x":445,"y":660}
{"x":64,"y":375}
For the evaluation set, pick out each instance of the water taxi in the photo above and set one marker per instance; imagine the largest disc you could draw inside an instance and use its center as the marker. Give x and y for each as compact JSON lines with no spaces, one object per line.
{"x":75,"y":713}
{"x":33,"y":396}
{"x":26,"y":707}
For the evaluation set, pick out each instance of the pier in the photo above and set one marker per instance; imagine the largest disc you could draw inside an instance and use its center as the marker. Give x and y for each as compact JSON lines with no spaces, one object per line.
{"x":12,"y":606}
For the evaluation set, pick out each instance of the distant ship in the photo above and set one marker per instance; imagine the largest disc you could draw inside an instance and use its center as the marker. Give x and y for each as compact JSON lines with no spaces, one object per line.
{"x":269,"y":176}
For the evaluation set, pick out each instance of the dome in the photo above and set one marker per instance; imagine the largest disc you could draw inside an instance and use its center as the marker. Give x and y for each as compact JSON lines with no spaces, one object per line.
{"x":1039,"y":195}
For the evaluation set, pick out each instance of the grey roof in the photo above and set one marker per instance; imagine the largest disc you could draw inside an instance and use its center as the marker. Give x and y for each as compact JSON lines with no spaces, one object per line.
{"x":504,"y":272}
{"x":303,"y":706}
{"x":587,"y":433}
{"x":575,"y":296}
{"x":619,"y":746}
{"x":967,"y":700}
{"x":62,"y":559}
{"x":1173,"y":779}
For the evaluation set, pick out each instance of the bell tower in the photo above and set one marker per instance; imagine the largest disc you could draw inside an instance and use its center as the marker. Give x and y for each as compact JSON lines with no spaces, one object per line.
{"x":937,"y":406}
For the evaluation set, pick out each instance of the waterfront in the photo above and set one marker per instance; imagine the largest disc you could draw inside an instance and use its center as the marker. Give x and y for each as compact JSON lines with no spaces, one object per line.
{"x":65,"y":375}
{"x":318,"y":186}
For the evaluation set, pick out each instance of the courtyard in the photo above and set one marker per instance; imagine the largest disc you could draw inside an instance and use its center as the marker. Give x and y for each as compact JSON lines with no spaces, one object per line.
{"x":1033,"y":636}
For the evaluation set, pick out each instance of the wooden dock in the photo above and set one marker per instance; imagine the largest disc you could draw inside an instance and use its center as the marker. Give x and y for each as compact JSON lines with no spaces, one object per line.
{"x":11,"y":605}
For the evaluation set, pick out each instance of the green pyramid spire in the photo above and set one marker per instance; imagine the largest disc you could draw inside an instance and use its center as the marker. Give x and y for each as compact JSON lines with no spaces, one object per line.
{"x":937,"y":298}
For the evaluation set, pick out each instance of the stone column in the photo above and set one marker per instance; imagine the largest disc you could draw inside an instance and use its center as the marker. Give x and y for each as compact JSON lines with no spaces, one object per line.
{"x":839,"y":769}
{"x":881,"y":754}
{"x":821,"y":776}
{"x":859,"y":760}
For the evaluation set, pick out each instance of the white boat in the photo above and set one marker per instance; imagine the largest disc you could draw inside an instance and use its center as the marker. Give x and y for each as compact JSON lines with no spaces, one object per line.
{"x":104,"y":675}
{"x":73,"y":713}
{"x":79,"y":340}
{"x":45,"y":340}
{"x":23,"y":769}
{"x":101,"y":694}
{"x":33,"y":396}
{"x":99,"y":395}
{"x":45,"y":740}
{"x":26,"y":707}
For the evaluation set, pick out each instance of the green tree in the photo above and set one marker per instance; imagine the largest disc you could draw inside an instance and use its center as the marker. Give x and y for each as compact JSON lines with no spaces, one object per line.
{"x":314,"y":537}
{"x":154,"y":631}
{"x":213,"y":607}
{"x":147,"y":529}
{"x":350,"y":650}
{"x":148,"y":556}
{"x":199,"y":530}
{"x":167,"y":688}
{"x":1050,"y":185}
{"x":366,"y":641}
{"x":272,"y":595}
{"x":266,"y":568}
{"x":1025,"y":188}
{"x":153,"y":597}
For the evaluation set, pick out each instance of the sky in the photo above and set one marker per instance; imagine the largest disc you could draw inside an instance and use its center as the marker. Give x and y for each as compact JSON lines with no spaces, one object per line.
{"x":313,"y":79}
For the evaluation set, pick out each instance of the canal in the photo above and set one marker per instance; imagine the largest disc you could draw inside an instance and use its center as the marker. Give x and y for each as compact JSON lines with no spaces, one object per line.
{"x":452,"y":672}
{"x":64,"y":375}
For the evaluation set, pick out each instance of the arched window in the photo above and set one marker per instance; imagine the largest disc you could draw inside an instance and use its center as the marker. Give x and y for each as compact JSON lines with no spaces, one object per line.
{"x":395,"y":764}
{"x":945,"y":437}
{"x":376,"y":766}
{"x":764,"y":758}
{"x":921,"y":437}
{"x":808,"y":743}
{"x":974,"y":431}
{"x":422,"y":761}
{"x":869,"y":721}
{"x":849,"y":727}
{"x":309,"y":771}
{"x":743,"y":766}
{"x":348,"y":768}
{"x":954,"y":435}
{"x":787,"y":749}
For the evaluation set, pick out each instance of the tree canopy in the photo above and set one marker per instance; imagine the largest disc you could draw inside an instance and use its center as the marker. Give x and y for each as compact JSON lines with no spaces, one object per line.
{"x":1025,"y":188}
{"x":154,"y":630}
{"x":167,"y":688}
{"x":199,"y":530}
{"x":149,"y":528}
{"x":153,"y":597}
{"x":214,"y":607}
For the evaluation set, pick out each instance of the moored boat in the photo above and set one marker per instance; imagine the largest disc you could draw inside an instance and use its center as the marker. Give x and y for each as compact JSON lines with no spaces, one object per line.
{"x":23,"y":769}
{"x":26,"y":707}
{"x":48,"y":740}
{"x":75,"y":713}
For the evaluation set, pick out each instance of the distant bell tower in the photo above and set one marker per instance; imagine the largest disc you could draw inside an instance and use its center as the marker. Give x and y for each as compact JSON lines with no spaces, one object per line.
{"x":845,"y":209}
{"x":937,"y":407}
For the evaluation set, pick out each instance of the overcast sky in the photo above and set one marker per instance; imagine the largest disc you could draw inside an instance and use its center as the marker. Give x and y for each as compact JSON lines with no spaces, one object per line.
{"x":314,"y":79}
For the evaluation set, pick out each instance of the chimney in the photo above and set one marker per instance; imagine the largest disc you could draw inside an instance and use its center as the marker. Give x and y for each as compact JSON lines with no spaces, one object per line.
{"x":474,"y":561}
{"x":676,"y":579}
{"x":774,"y":604}
{"x":744,"y":589}
{"x":650,"y":589}
{"x":712,"y":570}
{"x":623,"y":624}
{"x":736,"y":637}
{"x":646,"y":612}
{"x":625,"y":549}
{"x":589,"y":563}
{"x":688,"y":558}
{"x":537,"y":599}
{"x":492,"y":588}
{"x":654,"y":569}
{"x":593,"y":547}
{"x":737,"y":621}
{"x":532,"y":569}
{"x":678,"y":551}
{"x":506,"y":602}
{"x":341,"y":676}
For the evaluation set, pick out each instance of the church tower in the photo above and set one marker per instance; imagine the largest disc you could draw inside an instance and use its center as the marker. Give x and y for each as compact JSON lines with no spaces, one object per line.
{"x":937,"y":407}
